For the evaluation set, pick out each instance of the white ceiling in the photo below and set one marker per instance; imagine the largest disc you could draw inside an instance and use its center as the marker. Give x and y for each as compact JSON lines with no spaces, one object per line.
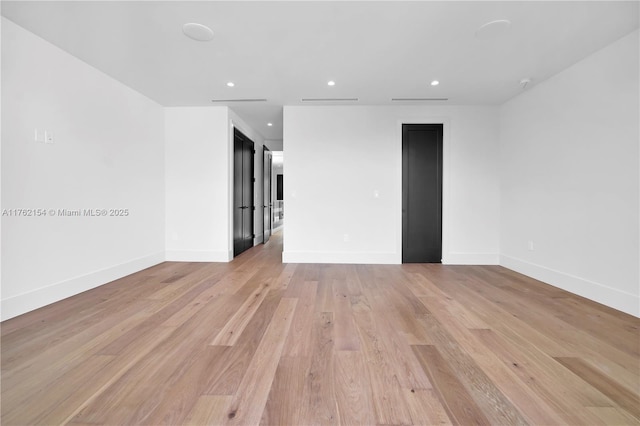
{"x":286,"y":51}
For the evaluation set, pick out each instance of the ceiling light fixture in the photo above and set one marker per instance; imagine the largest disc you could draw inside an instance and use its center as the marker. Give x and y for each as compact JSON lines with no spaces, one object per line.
{"x":493,"y":29}
{"x":331,"y":83}
{"x":197,"y":32}
{"x":435,"y":82}
{"x":524,"y":83}
{"x":230,"y":84}
{"x":269,"y":124}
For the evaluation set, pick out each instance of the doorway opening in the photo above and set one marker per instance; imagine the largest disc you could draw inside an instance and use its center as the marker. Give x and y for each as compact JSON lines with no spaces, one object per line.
{"x":277,"y":192}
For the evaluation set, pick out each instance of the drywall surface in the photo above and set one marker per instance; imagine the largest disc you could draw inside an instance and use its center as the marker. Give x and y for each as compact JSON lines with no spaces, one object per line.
{"x":343,"y":186}
{"x":569,"y":178}
{"x":89,"y":207}
{"x":197,"y":183}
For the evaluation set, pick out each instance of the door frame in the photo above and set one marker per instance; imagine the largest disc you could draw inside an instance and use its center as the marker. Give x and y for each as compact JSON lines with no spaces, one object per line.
{"x":232,"y":126}
{"x":246,"y":140}
{"x":269,"y":203}
{"x":446,"y":182}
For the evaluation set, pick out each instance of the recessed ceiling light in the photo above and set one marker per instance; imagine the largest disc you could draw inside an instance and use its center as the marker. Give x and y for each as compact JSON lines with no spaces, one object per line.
{"x":197,"y":32}
{"x":435,"y":82}
{"x":493,"y":29}
{"x":230,"y":84}
{"x":269,"y":124}
{"x":331,"y":83}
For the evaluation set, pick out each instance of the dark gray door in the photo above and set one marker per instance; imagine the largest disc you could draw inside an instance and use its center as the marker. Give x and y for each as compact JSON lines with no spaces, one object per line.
{"x":422,"y":193}
{"x":243,"y":204}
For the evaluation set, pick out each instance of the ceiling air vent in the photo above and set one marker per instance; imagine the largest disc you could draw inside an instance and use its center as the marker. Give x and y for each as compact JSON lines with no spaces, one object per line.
{"x":329,"y":99}
{"x":238,"y":100}
{"x":418,"y":99}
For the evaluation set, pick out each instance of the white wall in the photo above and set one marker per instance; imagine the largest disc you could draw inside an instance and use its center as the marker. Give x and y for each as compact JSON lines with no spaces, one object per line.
{"x":1,"y":204}
{"x":197,"y":183}
{"x":570,"y":183}
{"x":361,"y":146}
{"x":107,"y":154}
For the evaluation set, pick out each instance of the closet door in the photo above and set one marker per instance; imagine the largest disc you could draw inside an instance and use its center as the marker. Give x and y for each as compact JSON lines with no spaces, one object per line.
{"x":422,"y":193}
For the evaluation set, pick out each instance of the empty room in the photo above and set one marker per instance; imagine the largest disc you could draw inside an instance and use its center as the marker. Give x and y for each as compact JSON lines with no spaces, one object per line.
{"x":320,"y":212}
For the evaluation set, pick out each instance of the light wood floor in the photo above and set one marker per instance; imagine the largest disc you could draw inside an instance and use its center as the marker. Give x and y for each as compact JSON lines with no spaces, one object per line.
{"x":255,"y":341}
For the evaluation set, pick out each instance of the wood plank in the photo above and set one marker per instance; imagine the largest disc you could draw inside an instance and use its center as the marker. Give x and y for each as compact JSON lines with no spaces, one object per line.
{"x":182,"y":391}
{"x":59,"y":359}
{"x":225,"y":376}
{"x":49,"y":401}
{"x":623,"y":397}
{"x":318,"y":403}
{"x":387,"y":394}
{"x":285,"y":403}
{"x":613,"y":416}
{"x":55,"y":325}
{"x":346,"y":334}
{"x":460,"y":406}
{"x":540,"y":373}
{"x":283,"y":280}
{"x":401,"y":359}
{"x":232,"y":330}
{"x":324,"y":300}
{"x":572,"y":338}
{"x":166,"y":364}
{"x":81,"y":397}
{"x":209,"y":410}
{"x":353,"y":391}
{"x":85,"y":302}
{"x":250,"y":399}
{"x":524,"y":342}
{"x":33,"y":341}
{"x":164,"y":317}
{"x":299,"y":341}
{"x":425,"y":407}
{"x":493,"y":403}
{"x":534,"y":409}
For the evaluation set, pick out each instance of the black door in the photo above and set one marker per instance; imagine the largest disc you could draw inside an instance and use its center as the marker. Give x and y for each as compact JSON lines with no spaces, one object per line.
{"x":422,"y":193}
{"x":243,"y":179}
{"x":267,"y":204}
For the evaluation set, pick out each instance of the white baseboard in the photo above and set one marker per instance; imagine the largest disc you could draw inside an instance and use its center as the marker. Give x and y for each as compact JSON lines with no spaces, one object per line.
{"x":341,"y":257}
{"x":26,"y":302}
{"x":614,"y":298}
{"x":197,"y":256}
{"x":384,"y":258}
{"x":471,"y":259}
